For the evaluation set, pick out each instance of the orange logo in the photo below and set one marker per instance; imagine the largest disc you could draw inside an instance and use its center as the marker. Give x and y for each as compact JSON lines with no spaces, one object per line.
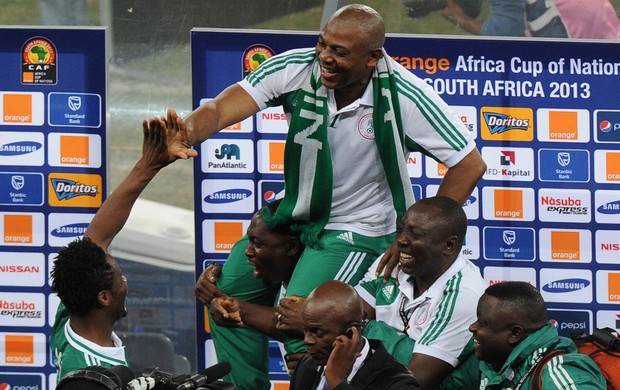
{"x":507,"y":124}
{"x":563,"y":125}
{"x":441,"y":170}
{"x":226,"y":234}
{"x":613,"y":283}
{"x":18,"y":229}
{"x":19,"y":349}
{"x":17,"y":108}
{"x":236,"y":126}
{"x":613,"y":166}
{"x":74,"y":149}
{"x":75,"y":190}
{"x":565,"y":246}
{"x":508,"y":203}
{"x":276,"y":156}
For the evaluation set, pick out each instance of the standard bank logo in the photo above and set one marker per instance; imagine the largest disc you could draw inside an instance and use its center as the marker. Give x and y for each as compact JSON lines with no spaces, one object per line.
{"x":566,"y":285}
{"x":507,"y":124}
{"x":509,"y":244}
{"x":568,"y":321}
{"x":607,"y":126}
{"x":74,"y":109}
{"x":564,"y":165}
{"x":21,"y":189}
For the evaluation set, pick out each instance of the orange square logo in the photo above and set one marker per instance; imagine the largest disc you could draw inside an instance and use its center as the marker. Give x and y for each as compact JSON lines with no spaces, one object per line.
{"x":17,"y":108}
{"x":75,"y":190}
{"x":226,"y":234}
{"x":563,"y":125}
{"x":613,"y":166}
{"x":613,"y":286}
{"x":206,"y":316}
{"x":276,"y":156}
{"x":441,"y":170}
{"x":565,"y":245}
{"x":74,"y":149}
{"x":28,"y":77}
{"x":508,"y":203}
{"x":19,"y":349}
{"x":18,"y":228}
{"x":281,"y":386}
{"x":236,"y":126}
{"x":507,"y":124}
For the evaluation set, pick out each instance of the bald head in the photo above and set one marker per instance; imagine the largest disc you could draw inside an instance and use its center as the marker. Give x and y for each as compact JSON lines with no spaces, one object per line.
{"x":338,"y":302}
{"x":363,"y":19}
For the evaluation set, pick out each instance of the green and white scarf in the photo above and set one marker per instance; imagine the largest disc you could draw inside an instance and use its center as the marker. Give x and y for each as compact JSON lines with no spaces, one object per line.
{"x":307,"y":159}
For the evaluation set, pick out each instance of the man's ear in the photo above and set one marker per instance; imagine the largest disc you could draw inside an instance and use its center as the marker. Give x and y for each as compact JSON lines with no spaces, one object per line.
{"x":451,"y":244}
{"x":375,"y":56}
{"x":517,"y":334}
{"x":293,"y":246}
{"x":103,"y":298}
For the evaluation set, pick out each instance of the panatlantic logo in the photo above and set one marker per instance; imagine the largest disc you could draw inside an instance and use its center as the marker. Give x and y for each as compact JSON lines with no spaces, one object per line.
{"x":19,"y":148}
{"x":73,"y":230}
{"x":228,"y":151}
{"x":566,"y":285}
{"x":228,"y":196}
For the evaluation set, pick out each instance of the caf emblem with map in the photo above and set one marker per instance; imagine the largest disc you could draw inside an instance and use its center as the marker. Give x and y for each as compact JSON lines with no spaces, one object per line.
{"x":39,"y":62}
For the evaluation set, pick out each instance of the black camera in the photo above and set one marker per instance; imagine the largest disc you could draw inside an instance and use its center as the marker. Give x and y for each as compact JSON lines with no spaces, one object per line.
{"x":420,"y":8}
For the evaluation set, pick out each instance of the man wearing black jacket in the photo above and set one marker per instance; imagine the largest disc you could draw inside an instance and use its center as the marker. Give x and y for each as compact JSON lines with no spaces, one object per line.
{"x":338,"y":357}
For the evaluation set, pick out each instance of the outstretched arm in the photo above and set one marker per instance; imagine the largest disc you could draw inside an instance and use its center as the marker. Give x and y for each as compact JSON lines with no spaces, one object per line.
{"x":231,"y":106}
{"x":164,"y":142}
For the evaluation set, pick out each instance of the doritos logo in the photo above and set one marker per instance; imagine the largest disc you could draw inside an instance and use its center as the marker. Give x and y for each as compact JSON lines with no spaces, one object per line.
{"x":613,"y":283}
{"x":563,"y":125}
{"x":507,"y":124}
{"x":17,"y":108}
{"x":276,"y":156}
{"x":565,"y":245}
{"x":508,"y":203}
{"x":17,"y":229}
{"x":75,"y":190}
{"x":74,"y":149}
{"x":612,"y":166}
{"x":226,"y":234}
{"x":19,"y":349}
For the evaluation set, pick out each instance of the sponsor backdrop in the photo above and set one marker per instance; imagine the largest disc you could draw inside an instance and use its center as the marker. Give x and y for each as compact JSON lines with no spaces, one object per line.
{"x":52,"y":180}
{"x":548,"y":208}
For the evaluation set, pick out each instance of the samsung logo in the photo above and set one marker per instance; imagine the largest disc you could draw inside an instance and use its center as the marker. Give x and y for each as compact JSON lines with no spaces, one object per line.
{"x":75,"y":230}
{"x":17,"y":148}
{"x":609,"y":208}
{"x":228,"y":196}
{"x":566,"y":285}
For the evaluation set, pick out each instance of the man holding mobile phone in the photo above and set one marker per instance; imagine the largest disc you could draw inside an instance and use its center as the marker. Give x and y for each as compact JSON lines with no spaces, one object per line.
{"x":338,"y":356}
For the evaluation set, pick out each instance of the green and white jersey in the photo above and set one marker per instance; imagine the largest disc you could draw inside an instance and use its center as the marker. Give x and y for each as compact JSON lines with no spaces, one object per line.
{"x":361,"y":197}
{"x":438,"y":320}
{"x":72,"y":352}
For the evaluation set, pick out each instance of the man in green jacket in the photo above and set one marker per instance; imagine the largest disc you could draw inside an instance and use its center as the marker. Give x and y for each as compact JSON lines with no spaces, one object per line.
{"x":512,"y":336}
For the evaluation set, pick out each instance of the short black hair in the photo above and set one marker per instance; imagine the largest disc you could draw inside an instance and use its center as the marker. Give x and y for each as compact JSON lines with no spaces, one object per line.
{"x":80,"y":272}
{"x":522,"y":299}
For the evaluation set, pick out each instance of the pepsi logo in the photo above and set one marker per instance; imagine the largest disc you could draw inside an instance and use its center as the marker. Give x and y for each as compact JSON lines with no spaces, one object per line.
{"x":605,"y":126}
{"x":269,"y":196}
{"x":554,"y":323}
{"x":5,"y":386}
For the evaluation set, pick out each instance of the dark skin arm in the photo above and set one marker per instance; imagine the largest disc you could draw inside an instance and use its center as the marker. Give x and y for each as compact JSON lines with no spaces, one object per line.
{"x":429,"y":371}
{"x":232,"y":313}
{"x":342,"y":358}
{"x":205,"y":289}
